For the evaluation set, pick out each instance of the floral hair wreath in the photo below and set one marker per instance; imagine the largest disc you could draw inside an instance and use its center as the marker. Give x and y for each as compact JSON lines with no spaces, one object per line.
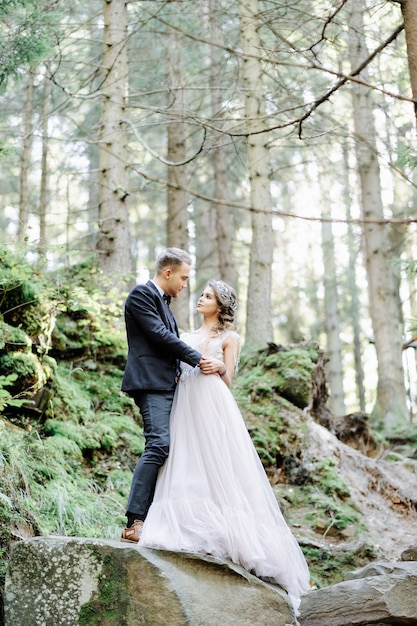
{"x":226,"y":294}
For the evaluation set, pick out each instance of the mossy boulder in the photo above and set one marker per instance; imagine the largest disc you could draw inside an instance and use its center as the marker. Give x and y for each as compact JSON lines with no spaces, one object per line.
{"x":272,"y":387}
{"x":24,"y":304}
{"x":281,"y":370}
{"x":31,"y":376}
{"x":14,"y":339}
{"x":87,"y":582}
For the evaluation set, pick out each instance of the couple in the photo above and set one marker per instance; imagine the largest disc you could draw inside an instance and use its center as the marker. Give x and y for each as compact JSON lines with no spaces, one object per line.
{"x":211,"y":494}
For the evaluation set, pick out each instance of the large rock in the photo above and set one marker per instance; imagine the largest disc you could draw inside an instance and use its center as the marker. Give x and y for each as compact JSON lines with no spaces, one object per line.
{"x":380,"y":593}
{"x":59,"y":581}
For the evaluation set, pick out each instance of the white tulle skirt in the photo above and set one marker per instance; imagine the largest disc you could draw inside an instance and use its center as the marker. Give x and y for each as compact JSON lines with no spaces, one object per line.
{"x":213,"y":496}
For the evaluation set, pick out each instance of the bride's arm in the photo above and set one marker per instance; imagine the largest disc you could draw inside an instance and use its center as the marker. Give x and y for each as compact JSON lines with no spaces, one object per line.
{"x":230,"y":351}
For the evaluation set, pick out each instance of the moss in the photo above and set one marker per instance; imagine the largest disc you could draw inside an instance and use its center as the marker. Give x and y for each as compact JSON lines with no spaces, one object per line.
{"x":26,"y":299}
{"x":292,"y":370}
{"x":329,"y":567}
{"x":61,"y":446}
{"x":70,"y":402}
{"x":319,"y":506}
{"x":275,"y":428}
{"x":327,"y":478}
{"x":72,"y":331}
{"x":30,"y":374}
{"x":105,"y":386}
{"x":328,"y":515}
{"x":49,"y":492}
{"x":286,"y":371}
{"x":111,"y":600}
{"x":80,"y":435}
{"x":119,"y":481}
{"x":15,"y":339}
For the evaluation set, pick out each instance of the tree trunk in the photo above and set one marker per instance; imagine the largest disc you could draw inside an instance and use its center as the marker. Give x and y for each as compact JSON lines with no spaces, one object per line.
{"x":113,"y":244}
{"x":205,"y":249}
{"x":353,"y":310}
{"x":383,"y":298}
{"x":93,"y":185}
{"x":332,"y":319}
{"x":409,"y":12}
{"x":25,"y":162}
{"x":225,"y":266}
{"x":177,"y":197}
{"x":258,"y":312}
{"x":43,"y":196}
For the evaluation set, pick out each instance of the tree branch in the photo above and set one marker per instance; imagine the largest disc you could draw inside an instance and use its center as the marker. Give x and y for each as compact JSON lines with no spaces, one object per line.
{"x":350,"y":77}
{"x":160,"y":158}
{"x":277,"y":212}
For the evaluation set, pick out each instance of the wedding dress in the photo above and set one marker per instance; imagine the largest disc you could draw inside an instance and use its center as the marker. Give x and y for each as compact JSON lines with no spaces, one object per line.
{"x":212,"y":495}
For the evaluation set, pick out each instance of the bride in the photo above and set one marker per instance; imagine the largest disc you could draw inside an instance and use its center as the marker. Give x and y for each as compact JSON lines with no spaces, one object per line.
{"x":212,"y":495}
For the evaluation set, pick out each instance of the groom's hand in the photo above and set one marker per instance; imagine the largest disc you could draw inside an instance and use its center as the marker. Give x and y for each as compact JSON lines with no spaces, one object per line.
{"x":210,"y":366}
{"x":206,"y":365}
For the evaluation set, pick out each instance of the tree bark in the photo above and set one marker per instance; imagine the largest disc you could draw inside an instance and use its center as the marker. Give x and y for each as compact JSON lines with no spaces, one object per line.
{"x":332,"y":320}
{"x":258,"y":313}
{"x":409,"y":12}
{"x":25,"y":162}
{"x":224,"y":262}
{"x":353,"y":310}
{"x":43,"y":196}
{"x":383,"y":297}
{"x":113,"y":244}
{"x":177,"y":197}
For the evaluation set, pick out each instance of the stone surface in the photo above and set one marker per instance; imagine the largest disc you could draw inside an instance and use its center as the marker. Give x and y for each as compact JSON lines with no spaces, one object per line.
{"x":380,"y":568}
{"x":380,"y":593}
{"x":410,"y":554}
{"x":59,"y":581}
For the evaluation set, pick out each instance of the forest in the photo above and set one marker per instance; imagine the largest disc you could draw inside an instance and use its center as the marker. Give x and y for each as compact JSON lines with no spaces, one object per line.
{"x":275,"y":140}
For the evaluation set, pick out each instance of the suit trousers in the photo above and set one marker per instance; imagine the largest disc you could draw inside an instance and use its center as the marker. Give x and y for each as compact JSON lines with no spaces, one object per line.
{"x":155,"y":408}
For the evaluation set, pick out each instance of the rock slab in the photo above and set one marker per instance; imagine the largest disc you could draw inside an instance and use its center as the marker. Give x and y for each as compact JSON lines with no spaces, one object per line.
{"x":60,"y":581}
{"x":380,"y":593}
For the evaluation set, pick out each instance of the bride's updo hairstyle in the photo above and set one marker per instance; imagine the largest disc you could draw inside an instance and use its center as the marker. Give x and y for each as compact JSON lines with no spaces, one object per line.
{"x":227,"y":302}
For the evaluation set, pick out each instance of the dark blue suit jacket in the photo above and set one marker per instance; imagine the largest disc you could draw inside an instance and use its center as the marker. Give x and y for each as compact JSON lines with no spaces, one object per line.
{"x":154,"y":345}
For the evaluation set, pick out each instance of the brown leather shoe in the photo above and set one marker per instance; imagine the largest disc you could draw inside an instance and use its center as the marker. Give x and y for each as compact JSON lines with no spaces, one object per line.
{"x":133,"y":533}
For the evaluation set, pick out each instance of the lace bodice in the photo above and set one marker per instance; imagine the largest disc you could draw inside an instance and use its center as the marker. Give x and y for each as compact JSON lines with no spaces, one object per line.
{"x":211,"y":347}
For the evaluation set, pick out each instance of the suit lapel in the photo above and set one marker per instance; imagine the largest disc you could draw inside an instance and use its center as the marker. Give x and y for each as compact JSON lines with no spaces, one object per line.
{"x":167,"y":315}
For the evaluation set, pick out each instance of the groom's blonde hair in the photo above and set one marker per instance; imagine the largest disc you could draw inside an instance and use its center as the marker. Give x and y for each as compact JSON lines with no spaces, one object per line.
{"x":171,"y":257}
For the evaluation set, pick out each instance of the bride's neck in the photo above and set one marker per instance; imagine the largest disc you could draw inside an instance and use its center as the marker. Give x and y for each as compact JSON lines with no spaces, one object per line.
{"x":208,"y":325}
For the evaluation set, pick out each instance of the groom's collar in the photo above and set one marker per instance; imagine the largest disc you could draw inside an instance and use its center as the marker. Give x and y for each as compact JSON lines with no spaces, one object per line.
{"x":160,"y":290}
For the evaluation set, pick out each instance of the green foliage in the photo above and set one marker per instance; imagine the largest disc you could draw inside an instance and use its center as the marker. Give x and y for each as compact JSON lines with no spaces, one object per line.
{"x":6,"y":398}
{"x":70,"y":402}
{"x":325,"y":500}
{"x":327,"y":478}
{"x":274,"y":435}
{"x":329,"y":567}
{"x":69,"y":470}
{"x":90,"y":321}
{"x":15,"y":339}
{"x":406,"y":156}
{"x":26,"y":34}
{"x":28,"y":369}
{"x":272,"y":420}
{"x":57,"y":486}
{"x":328,"y":514}
{"x":26,"y":297}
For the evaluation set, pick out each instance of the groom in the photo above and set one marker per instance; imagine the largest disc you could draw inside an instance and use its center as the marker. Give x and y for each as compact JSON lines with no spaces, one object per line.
{"x":152,"y":368}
